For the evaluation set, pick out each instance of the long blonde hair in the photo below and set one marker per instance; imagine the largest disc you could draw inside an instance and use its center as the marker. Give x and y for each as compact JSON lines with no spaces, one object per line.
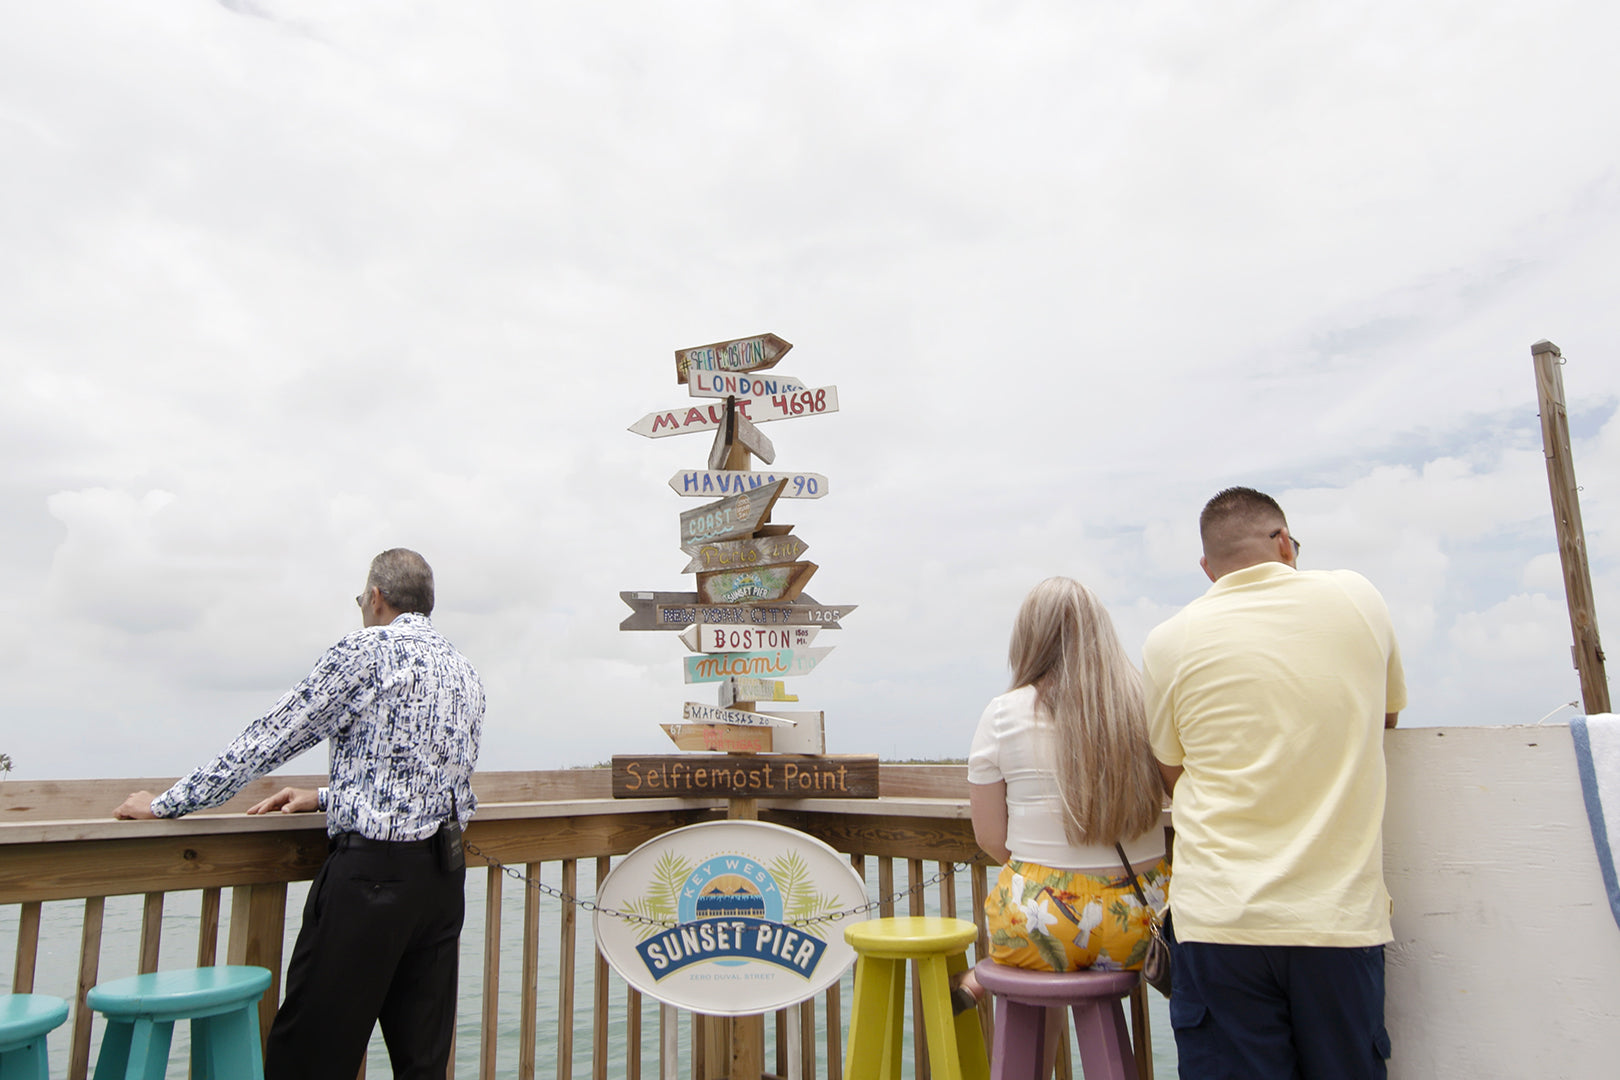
{"x":1065,"y":646}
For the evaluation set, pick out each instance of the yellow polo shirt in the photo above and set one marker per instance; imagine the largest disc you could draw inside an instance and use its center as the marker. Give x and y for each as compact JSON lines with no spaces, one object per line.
{"x":1270,"y":691}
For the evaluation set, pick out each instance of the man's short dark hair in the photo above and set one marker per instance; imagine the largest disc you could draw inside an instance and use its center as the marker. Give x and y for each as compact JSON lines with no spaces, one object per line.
{"x":405,"y":579}
{"x":1239,"y":507}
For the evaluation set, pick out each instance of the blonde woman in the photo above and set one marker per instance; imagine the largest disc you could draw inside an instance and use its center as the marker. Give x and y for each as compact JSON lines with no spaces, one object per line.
{"x":1061,"y":770}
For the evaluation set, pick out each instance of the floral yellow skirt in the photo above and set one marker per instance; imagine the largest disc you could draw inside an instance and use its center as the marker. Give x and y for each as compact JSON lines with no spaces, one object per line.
{"x":1062,"y":920}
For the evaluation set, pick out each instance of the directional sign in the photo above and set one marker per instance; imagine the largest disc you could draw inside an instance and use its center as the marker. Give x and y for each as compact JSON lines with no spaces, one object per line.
{"x":725,"y":384}
{"x":678,"y":610}
{"x":754,"y":691}
{"x":804,"y":733}
{"x":737,"y":431}
{"x":760,"y":410}
{"x":700,"y":638}
{"x":726,"y":737}
{"x":839,"y":776}
{"x":694,"y":713}
{"x":755,"y":583}
{"x":741,"y":554}
{"x":730,"y":518}
{"x":708,"y":483}
{"x":739,"y":354}
{"x":775,"y":664}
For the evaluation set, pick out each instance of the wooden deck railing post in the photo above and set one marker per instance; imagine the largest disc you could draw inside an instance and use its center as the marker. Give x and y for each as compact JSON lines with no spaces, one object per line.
{"x":258,"y":921}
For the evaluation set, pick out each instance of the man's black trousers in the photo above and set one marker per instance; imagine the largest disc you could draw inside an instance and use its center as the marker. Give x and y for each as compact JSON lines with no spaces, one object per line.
{"x":379,"y":944}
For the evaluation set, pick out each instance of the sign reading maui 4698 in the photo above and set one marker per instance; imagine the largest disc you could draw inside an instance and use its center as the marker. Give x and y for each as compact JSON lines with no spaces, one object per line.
{"x":731,"y":918}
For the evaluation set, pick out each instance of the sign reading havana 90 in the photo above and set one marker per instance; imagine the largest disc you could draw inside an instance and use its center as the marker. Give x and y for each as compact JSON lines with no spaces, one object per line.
{"x":739,"y":917}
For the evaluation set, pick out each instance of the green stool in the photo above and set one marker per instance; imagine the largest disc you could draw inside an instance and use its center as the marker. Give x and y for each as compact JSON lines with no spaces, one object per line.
{"x":25,"y":1020}
{"x":222,"y":1004}
{"x":877,"y":1018}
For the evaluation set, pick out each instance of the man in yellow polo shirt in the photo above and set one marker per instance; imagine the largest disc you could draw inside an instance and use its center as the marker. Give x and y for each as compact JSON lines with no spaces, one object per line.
{"x":1267,"y":700}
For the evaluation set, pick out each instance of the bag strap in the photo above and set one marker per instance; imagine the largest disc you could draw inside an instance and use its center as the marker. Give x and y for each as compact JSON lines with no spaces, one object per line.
{"x":1136,"y":884}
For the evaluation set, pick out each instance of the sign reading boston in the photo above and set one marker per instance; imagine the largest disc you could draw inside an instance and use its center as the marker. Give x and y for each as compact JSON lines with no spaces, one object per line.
{"x":732,"y":918}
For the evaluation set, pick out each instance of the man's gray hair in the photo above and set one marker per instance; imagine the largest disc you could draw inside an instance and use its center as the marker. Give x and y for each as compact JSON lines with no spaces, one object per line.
{"x":405,"y":579}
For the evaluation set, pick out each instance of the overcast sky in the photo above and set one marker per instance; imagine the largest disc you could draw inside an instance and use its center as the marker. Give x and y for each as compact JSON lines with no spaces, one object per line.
{"x":286,"y":283}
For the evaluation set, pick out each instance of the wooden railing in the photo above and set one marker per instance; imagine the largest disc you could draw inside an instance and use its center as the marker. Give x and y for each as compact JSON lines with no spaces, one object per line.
{"x":57,"y":843}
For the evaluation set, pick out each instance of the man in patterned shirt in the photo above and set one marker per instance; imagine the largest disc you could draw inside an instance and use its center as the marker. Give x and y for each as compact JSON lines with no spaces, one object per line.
{"x":403,"y":711}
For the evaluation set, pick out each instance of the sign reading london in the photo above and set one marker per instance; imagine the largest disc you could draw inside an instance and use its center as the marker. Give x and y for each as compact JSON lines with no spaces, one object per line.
{"x":732,"y":918}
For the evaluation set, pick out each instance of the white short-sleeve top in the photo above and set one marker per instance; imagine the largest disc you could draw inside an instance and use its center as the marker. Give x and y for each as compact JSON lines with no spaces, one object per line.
{"x":1015,"y":742}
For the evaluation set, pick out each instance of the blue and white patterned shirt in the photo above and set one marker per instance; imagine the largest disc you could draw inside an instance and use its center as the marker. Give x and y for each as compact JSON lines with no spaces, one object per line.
{"x":404,"y":712}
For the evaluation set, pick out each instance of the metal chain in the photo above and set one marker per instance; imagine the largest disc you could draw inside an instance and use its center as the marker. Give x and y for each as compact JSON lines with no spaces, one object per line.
{"x":629,"y":916}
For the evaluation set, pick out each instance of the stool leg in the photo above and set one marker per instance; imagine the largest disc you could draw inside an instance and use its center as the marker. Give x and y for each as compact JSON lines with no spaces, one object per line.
{"x":137,"y":1050}
{"x":226,"y":1047}
{"x":875,"y":1019}
{"x":25,"y":1062}
{"x":1105,"y":1045}
{"x":969,"y":1033}
{"x":1020,"y":1040}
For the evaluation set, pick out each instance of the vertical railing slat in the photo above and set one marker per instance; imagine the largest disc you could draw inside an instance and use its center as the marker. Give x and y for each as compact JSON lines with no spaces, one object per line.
{"x":258,"y":924}
{"x":565,"y":974}
{"x":95,"y":908}
{"x":22,"y":971}
{"x":529,"y":1009}
{"x":208,"y":928}
{"x":981,"y":893}
{"x":807,"y":1039}
{"x":916,"y":904}
{"x":151,"y":933}
{"x":493,"y":879}
{"x":835,"y":1033}
{"x":599,"y":1011}
{"x":632,"y":1034}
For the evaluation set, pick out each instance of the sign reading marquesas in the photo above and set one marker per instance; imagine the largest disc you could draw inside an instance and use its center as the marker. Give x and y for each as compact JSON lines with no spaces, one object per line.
{"x":755,"y":353}
{"x":708,"y":483}
{"x":694,"y":713}
{"x":776,"y":664}
{"x":781,"y":776}
{"x":739,"y":917}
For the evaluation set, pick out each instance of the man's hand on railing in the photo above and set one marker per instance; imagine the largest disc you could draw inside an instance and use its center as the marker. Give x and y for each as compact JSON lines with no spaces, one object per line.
{"x":288,"y":800}
{"x":138,"y":807}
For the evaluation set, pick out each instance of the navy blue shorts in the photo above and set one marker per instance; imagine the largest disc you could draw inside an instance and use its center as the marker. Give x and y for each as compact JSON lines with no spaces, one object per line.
{"x":1278,"y":1012}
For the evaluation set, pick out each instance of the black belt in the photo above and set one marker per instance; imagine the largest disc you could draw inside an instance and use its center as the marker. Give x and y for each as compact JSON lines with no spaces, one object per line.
{"x":353,"y":841}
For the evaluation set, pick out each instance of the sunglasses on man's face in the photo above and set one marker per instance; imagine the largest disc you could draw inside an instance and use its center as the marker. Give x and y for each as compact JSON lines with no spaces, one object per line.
{"x":1278,"y":532}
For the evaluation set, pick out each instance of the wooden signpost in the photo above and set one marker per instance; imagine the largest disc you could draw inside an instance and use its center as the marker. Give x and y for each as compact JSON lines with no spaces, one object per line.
{"x":782,"y":582}
{"x":739,"y":354}
{"x":748,"y":624}
{"x":743,"y":554}
{"x":722,"y":384}
{"x":708,"y":483}
{"x":760,"y":410}
{"x":701,"y":638}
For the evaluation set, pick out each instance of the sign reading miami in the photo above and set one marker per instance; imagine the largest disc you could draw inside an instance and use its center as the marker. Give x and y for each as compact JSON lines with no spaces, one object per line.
{"x":729,"y":909}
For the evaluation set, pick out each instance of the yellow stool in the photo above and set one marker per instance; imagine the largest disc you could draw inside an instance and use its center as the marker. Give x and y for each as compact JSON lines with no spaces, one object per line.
{"x":878,"y":1016}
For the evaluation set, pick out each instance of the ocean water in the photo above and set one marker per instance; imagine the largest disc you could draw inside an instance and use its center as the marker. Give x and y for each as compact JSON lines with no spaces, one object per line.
{"x":57,"y":968}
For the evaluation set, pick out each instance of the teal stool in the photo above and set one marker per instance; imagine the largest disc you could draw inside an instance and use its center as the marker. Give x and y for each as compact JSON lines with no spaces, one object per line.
{"x":25,"y":1020}
{"x":222,"y":1004}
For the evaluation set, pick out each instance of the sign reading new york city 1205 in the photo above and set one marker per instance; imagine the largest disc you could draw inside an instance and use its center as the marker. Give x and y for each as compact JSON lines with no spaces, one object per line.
{"x":738,"y":917}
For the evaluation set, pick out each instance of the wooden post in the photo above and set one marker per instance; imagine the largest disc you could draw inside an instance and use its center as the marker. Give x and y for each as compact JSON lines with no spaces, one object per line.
{"x":258,"y":919}
{"x":1567,"y":517}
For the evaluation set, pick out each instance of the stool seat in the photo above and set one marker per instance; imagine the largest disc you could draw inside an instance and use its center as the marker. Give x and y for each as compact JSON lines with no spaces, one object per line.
{"x":220,"y":1002}
{"x":25,"y":1020}
{"x":179,"y":995}
{"x":25,"y":1017}
{"x":1022,"y":998}
{"x":910,"y":936}
{"x":1054,"y":987}
{"x":878,"y":1015}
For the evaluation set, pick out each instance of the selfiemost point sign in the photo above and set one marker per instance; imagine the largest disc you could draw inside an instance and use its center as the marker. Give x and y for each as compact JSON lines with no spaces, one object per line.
{"x":740,"y":917}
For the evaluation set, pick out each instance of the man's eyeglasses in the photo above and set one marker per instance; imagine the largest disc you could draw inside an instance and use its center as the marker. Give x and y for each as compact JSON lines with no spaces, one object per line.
{"x":1278,"y":532}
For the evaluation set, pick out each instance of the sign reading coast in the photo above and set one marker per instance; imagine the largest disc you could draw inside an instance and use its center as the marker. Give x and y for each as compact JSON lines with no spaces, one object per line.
{"x":654,"y":776}
{"x":729,"y":518}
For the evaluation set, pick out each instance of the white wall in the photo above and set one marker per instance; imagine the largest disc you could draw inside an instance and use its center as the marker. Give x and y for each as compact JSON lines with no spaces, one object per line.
{"x":1506,"y":960}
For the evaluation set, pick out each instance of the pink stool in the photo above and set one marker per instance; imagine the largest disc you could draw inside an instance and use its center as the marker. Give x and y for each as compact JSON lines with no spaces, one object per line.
{"x":1022,"y":998}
